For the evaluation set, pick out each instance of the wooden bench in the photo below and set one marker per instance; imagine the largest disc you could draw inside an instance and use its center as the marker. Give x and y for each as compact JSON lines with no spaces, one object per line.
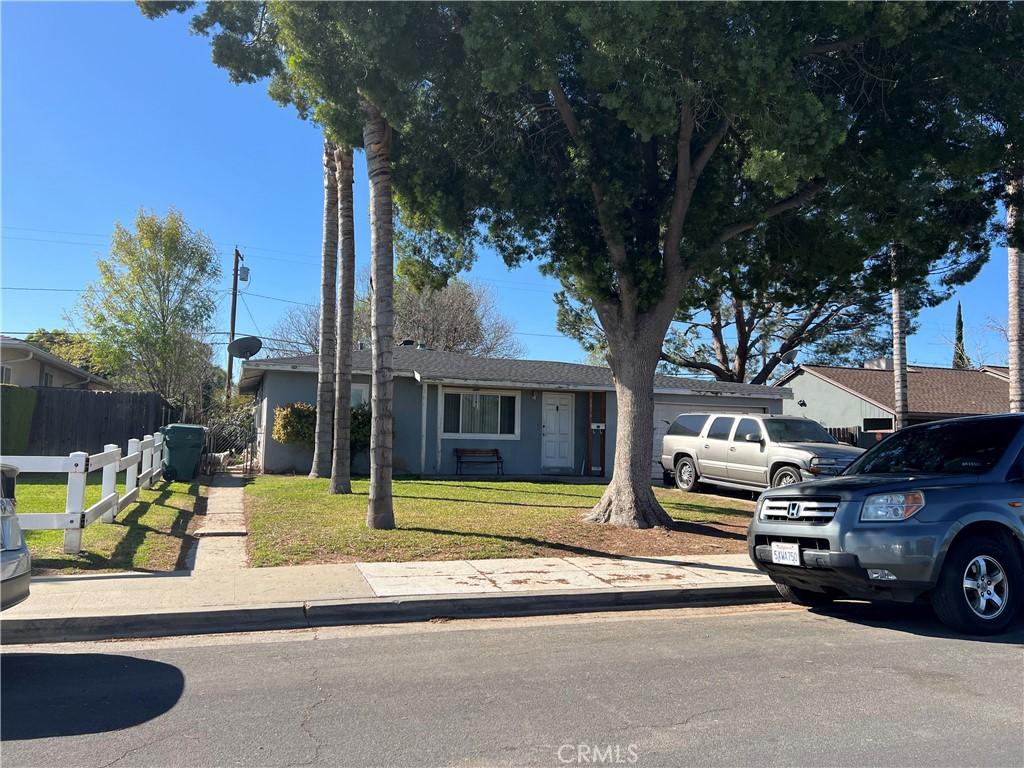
{"x":477,"y":456}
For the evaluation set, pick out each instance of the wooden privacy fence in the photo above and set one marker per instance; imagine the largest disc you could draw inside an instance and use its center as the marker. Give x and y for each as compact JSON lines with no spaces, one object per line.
{"x":67,"y":420}
{"x":142,"y":465}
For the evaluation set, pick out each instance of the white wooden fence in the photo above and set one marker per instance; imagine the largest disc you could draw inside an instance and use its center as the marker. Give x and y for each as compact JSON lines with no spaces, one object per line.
{"x":143,"y":464}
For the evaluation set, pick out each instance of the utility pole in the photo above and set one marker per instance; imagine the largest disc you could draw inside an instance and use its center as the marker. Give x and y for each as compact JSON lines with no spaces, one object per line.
{"x":231,"y":333}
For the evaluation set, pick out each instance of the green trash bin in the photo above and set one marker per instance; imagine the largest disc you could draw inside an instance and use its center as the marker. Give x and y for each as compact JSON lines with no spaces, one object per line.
{"x":183,"y":446}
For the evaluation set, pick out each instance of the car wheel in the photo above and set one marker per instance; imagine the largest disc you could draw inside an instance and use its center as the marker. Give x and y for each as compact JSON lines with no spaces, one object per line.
{"x":686,"y":474}
{"x":785,"y":476}
{"x":979,"y":590}
{"x":807,"y":597}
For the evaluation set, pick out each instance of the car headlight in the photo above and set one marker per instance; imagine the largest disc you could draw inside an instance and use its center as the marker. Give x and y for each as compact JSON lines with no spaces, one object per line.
{"x":822,"y":461}
{"x":890,"y":507}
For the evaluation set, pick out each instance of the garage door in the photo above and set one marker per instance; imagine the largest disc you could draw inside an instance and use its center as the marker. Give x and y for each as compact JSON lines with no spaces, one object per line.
{"x":665,"y":413}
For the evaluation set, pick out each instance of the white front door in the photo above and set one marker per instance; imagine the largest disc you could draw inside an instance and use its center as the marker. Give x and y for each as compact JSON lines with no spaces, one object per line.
{"x":556,"y":430}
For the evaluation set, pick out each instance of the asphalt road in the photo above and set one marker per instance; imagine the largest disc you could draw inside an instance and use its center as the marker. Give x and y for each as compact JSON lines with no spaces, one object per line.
{"x":765,"y":686}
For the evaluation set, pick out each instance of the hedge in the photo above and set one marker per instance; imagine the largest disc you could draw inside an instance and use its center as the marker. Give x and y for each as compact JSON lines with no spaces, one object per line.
{"x":17,"y":404}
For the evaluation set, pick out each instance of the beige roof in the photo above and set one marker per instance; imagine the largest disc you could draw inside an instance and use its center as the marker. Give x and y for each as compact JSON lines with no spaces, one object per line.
{"x":940,"y":391}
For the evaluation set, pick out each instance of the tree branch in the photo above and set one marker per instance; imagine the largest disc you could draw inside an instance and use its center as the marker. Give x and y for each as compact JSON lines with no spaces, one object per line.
{"x":722,"y":374}
{"x":793,"y":201}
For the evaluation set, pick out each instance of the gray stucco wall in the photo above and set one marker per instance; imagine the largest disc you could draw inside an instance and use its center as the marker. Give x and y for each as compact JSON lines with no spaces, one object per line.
{"x":828,"y":404}
{"x":522,"y":456}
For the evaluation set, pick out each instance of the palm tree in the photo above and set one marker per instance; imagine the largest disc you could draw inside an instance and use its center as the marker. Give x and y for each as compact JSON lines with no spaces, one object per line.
{"x":377,"y":144}
{"x":1014,"y":187}
{"x":341,"y":479}
{"x":899,"y":360}
{"x":328,"y":301}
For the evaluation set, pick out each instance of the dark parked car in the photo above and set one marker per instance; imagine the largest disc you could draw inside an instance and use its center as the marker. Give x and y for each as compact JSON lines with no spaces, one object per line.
{"x":933,"y":512}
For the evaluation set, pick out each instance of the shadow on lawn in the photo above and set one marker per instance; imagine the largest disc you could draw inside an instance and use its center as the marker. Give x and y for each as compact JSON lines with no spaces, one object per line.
{"x":492,"y":502}
{"x":537,"y":492}
{"x":123,"y":555}
{"x":529,"y":541}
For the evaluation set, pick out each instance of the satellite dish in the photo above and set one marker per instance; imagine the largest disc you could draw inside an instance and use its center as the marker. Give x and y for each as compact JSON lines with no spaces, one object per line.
{"x":245,"y":347}
{"x":789,"y":357}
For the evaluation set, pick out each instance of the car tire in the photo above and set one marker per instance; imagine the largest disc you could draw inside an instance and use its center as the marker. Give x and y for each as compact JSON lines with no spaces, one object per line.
{"x":686,"y":477}
{"x":786,"y":475}
{"x":968,"y":609}
{"x":807,"y":597}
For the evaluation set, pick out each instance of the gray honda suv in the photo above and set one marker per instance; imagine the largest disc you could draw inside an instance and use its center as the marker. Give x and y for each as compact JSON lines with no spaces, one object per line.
{"x":934,"y":512}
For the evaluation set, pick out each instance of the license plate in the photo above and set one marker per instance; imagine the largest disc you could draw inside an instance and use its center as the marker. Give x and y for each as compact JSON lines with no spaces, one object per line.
{"x":785,"y":554}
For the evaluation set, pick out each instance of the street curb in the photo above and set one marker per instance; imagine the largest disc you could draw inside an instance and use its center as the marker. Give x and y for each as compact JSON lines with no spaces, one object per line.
{"x":325,"y":613}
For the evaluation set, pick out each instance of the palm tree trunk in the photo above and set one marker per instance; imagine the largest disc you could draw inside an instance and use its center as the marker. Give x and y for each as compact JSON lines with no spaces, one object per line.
{"x":377,"y":144}
{"x":341,"y":475}
{"x":322,"y":439}
{"x":899,"y":361}
{"x":1016,"y":291}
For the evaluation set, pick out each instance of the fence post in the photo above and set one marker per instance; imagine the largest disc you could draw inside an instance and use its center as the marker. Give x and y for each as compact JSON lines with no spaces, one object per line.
{"x":147,"y":462}
{"x":131,"y":475}
{"x":110,"y":483}
{"x":75,"y":500}
{"x":158,"y":455}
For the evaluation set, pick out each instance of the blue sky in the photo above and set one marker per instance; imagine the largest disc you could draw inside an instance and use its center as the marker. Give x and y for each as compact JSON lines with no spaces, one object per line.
{"x":104,"y":112}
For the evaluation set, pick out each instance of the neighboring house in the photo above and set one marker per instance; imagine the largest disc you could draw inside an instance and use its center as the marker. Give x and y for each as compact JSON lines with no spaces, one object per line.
{"x":26,"y":365}
{"x":861,"y":400}
{"x":544,"y":417}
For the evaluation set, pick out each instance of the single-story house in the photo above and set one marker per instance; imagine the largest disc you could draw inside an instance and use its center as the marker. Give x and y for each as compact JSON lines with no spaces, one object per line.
{"x":862,"y":400}
{"x":544,"y":417}
{"x":26,"y":365}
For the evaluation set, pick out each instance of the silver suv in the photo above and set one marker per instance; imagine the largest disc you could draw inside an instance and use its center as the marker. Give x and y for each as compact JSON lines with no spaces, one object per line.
{"x":748,"y":451}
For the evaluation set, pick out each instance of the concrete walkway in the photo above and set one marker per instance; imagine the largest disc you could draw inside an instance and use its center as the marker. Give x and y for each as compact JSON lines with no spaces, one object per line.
{"x":222,"y":534}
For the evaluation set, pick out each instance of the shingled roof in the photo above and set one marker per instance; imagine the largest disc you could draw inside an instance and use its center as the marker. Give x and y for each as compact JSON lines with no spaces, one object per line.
{"x":939,"y":391}
{"x":447,"y":367}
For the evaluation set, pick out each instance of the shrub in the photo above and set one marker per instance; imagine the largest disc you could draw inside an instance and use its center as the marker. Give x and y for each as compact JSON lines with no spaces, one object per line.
{"x":295,"y":424}
{"x":17,"y":404}
{"x":359,"y":431}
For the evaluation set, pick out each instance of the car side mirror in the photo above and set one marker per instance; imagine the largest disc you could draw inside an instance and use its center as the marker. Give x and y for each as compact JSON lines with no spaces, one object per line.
{"x":752,"y":437}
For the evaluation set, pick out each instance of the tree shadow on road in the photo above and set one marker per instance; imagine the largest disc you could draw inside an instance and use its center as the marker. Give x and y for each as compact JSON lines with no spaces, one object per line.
{"x":44,"y":695}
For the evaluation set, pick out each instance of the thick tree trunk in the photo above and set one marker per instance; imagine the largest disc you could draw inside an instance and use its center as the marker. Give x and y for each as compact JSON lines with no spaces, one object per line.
{"x":341,"y":471}
{"x":1016,"y":296}
{"x":323,"y":439}
{"x":899,"y":361}
{"x":629,"y":499}
{"x":377,"y":144}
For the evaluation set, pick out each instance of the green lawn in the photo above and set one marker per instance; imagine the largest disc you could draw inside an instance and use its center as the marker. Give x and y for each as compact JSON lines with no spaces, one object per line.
{"x":293,"y":520}
{"x":150,"y":535}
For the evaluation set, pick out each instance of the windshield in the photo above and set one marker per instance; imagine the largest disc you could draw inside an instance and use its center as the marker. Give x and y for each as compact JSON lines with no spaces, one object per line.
{"x":950,"y":448}
{"x":797,"y":431}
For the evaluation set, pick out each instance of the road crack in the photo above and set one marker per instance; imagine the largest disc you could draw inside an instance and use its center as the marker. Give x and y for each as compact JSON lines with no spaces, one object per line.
{"x":132,"y":750}
{"x":307,"y":716}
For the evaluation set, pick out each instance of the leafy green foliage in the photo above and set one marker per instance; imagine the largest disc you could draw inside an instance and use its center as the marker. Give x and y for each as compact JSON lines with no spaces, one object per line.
{"x":79,"y":349}
{"x":295,"y":424}
{"x":153,"y":304}
{"x":960,"y":359}
{"x":17,"y":405}
{"x":359,"y":431}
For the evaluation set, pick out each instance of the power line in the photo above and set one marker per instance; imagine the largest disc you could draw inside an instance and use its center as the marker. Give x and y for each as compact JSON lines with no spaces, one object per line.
{"x":57,"y":290}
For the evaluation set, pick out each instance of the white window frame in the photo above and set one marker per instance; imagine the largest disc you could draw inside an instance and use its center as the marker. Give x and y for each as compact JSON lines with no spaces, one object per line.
{"x":6,"y":374}
{"x":365,"y":389}
{"x":517,"y":394}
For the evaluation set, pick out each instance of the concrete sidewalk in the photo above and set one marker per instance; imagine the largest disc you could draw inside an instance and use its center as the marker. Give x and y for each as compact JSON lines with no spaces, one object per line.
{"x":140,"y":605}
{"x":220,"y":594}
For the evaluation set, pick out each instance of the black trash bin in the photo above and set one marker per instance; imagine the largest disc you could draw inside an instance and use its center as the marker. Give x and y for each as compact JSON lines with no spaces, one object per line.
{"x":183,"y":447}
